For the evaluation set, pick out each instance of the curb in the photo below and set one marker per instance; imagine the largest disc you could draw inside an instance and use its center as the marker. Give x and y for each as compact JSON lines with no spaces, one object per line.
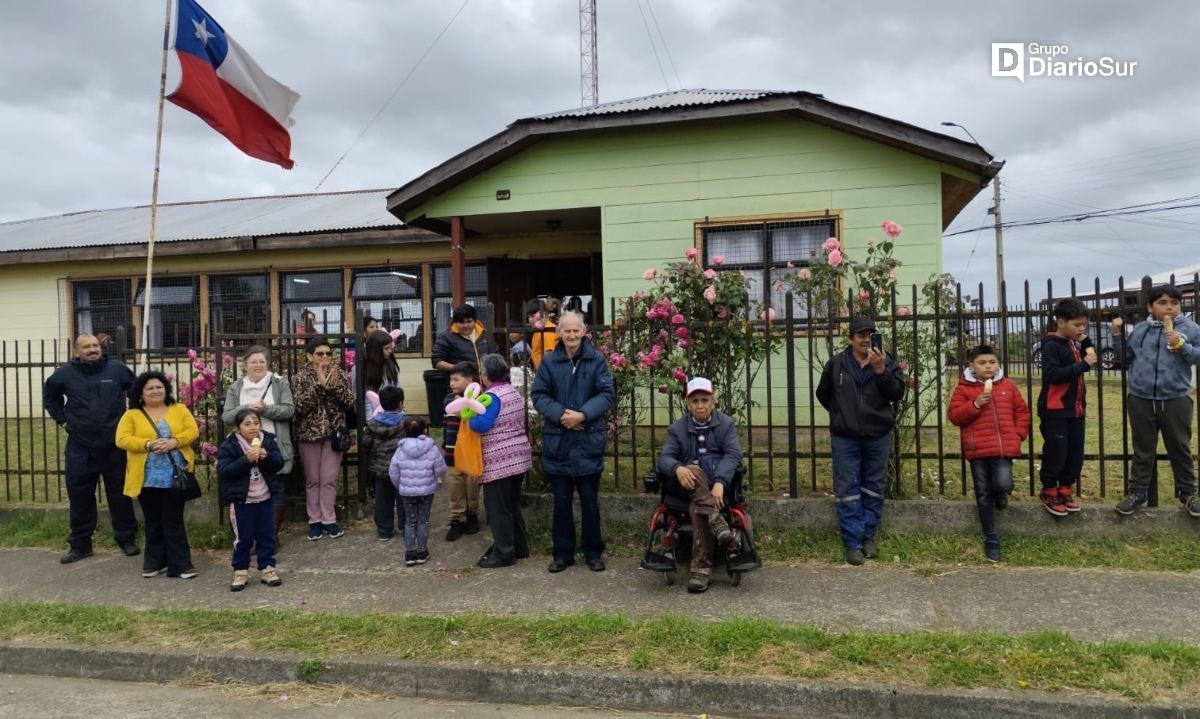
{"x":759,"y":698}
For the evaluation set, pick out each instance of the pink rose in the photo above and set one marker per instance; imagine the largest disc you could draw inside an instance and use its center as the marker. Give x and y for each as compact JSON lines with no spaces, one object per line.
{"x":209,"y":450}
{"x":768,"y":314}
{"x":710,"y":273}
{"x":684,"y":344}
{"x":710,"y":294}
{"x":831,"y":244}
{"x":618,"y":361}
{"x":191,"y":354}
{"x":891,"y":229}
{"x":718,"y":260}
{"x":723,"y":313}
{"x":227,"y":361}
{"x":651,"y":314}
{"x":902,"y":311}
{"x":835,"y":258}
{"x":804,"y":273}
{"x":677,"y":320}
{"x":681,"y":333}
{"x":649,"y":274}
{"x":680,"y":376}
{"x":691,"y":253}
{"x":863,"y":294}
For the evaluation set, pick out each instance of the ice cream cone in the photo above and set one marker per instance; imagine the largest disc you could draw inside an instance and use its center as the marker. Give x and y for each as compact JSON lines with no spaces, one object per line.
{"x":987,"y":385}
{"x":256,"y":442}
{"x":1169,"y":323}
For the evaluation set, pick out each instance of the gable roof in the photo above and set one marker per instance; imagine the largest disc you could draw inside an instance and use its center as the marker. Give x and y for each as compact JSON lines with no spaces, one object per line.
{"x":698,"y":104}
{"x":204,"y":220}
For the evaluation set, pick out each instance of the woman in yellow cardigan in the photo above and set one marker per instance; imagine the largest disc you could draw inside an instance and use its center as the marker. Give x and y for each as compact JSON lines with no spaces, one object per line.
{"x":156,"y":433}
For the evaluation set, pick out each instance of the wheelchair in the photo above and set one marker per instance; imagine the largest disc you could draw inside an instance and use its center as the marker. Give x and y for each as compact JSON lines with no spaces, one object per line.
{"x":670,"y":537}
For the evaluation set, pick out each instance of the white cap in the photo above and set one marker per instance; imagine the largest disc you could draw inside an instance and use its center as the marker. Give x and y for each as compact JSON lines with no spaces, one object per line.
{"x":699,"y":384}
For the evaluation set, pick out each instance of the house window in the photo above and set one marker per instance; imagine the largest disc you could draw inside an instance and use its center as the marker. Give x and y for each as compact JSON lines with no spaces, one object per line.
{"x":763,"y":251}
{"x":101,"y":306}
{"x":317,"y":292}
{"x":238,"y":305}
{"x":393,"y":297}
{"x":174,"y":313}
{"x":476,"y":295}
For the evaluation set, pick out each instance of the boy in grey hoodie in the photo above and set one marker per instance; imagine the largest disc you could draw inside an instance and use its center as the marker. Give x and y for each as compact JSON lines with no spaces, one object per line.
{"x":1163,"y":348}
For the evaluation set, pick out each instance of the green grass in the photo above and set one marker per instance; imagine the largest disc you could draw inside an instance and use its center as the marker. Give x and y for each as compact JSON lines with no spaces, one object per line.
{"x":740,"y":646}
{"x":49,"y":529}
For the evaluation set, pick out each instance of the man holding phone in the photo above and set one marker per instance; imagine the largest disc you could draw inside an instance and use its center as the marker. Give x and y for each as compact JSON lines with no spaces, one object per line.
{"x":859,"y":388}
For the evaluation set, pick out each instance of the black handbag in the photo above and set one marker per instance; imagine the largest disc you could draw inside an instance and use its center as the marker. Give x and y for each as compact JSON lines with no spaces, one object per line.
{"x":184,"y":484}
{"x":339,"y":437}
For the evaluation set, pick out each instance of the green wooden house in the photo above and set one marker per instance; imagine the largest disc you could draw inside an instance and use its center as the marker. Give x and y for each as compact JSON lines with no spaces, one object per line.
{"x":581,"y":202}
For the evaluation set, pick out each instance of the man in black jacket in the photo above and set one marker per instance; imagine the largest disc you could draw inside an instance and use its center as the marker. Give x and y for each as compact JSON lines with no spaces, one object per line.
{"x":465,"y":341}
{"x":859,"y":388}
{"x":88,"y":395}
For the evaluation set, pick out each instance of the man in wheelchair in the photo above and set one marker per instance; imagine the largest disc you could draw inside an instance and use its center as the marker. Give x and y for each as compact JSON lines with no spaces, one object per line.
{"x":701,"y":468}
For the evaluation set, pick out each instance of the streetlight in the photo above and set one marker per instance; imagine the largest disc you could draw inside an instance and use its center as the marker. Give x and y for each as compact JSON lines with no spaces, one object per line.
{"x":994,"y":210}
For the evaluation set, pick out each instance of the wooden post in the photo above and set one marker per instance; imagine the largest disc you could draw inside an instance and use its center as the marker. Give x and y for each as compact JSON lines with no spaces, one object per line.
{"x":458,"y":263}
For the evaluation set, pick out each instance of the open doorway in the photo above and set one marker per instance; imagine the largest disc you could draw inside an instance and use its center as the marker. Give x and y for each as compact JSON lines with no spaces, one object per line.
{"x":574,"y":280}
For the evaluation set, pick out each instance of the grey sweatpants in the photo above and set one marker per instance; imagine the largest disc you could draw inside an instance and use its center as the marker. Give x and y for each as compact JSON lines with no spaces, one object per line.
{"x":1173,"y":418}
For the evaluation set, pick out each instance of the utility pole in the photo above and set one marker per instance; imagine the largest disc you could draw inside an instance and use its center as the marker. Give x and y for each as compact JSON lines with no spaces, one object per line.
{"x":994,"y":210}
{"x":589,"y":72}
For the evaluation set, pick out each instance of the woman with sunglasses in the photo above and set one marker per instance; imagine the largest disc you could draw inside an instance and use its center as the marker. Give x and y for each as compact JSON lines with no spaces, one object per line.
{"x":322,"y":395}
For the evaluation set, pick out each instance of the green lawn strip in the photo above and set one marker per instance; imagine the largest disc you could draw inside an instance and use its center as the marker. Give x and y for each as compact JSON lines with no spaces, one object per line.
{"x":783,"y":546}
{"x":1049,"y":661}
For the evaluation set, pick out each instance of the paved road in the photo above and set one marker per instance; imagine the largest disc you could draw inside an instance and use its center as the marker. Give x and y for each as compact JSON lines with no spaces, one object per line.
{"x":357,"y":573}
{"x":22,"y":697}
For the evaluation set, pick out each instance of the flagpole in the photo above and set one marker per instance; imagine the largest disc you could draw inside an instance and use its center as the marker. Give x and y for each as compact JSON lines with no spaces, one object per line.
{"x":162,"y":94}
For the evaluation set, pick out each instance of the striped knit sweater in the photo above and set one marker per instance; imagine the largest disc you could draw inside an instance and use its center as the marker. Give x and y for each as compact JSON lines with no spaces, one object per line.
{"x":506,"y":450}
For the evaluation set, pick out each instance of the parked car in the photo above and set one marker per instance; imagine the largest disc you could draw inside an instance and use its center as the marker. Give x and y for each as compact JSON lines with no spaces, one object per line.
{"x":1105,"y":348}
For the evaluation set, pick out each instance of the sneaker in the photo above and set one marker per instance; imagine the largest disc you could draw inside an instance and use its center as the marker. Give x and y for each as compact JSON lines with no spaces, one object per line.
{"x":385,"y":537}
{"x":697,"y":583}
{"x":150,"y":573}
{"x":870,"y":551}
{"x":1001,"y":500}
{"x":720,"y":528}
{"x":332,"y":530}
{"x":856,"y":557}
{"x":75,"y":555}
{"x":1132,"y":502}
{"x":1064,"y":496}
{"x":1192,"y":505}
{"x":241,"y":578}
{"x":270,"y":577}
{"x":422,"y":557}
{"x":472,"y":524}
{"x":130,"y":549}
{"x":991,"y":551}
{"x":314,"y":531}
{"x":410,"y":559}
{"x":457,"y":529}
{"x":1052,"y":503}
{"x":189,"y":573}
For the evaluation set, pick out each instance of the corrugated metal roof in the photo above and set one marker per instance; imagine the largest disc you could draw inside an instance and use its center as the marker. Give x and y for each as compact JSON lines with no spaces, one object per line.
{"x":663,"y":101}
{"x":209,"y":220}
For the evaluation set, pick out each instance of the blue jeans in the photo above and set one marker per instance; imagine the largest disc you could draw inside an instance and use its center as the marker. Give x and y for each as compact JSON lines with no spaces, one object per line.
{"x":992,"y":477}
{"x":563,"y":523}
{"x":416,"y":522}
{"x":859,"y":473}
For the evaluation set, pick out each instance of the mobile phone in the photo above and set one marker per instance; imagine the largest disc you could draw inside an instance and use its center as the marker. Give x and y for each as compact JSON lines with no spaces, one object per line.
{"x":877,"y":341}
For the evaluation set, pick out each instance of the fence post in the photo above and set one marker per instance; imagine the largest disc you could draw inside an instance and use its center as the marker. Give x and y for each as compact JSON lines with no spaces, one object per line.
{"x":790,"y":339}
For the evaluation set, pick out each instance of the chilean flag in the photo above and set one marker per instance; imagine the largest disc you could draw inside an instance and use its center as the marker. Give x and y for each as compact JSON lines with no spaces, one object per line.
{"x":228,"y":90}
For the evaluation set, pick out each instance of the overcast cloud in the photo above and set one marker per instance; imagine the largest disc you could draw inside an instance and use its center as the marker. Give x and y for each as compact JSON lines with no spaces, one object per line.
{"x":78,"y":100}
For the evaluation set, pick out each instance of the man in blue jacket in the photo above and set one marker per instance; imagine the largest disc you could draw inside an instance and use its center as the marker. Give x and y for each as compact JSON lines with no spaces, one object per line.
{"x":859,"y":388}
{"x":573,"y":391}
{"x":88,"y":395}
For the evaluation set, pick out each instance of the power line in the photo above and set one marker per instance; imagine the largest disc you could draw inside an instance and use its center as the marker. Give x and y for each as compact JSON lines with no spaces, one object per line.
{"x":666,"y":48}
{"x":1143,"y":208}
{"x":653,"y":46}
{"x":395,"y":92}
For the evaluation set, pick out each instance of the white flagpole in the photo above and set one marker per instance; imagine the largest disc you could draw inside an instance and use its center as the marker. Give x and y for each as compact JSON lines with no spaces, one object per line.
{"x":162,"y":93}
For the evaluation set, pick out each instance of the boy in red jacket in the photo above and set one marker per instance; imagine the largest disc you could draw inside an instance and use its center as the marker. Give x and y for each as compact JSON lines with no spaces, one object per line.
{"x":995,"y":421}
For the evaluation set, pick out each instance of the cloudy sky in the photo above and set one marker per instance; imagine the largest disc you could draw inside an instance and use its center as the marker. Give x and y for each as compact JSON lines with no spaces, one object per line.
{"x":78,"y":102}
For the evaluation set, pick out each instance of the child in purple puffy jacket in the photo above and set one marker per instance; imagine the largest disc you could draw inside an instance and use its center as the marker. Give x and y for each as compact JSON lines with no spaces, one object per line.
{"x":414,"y":471}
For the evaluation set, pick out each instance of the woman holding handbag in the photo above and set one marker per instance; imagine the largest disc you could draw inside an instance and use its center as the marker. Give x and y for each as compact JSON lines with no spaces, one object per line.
{"x":157,"y":434}
{"x":270,"y":397}
{"x":322,"y":393}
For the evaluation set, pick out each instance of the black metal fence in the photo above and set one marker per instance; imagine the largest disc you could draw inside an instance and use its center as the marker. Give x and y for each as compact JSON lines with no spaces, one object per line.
{"x":783,"y":428}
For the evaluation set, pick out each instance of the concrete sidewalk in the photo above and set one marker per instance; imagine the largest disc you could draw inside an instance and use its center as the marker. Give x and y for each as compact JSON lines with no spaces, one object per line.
{"x":357,"y":573}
